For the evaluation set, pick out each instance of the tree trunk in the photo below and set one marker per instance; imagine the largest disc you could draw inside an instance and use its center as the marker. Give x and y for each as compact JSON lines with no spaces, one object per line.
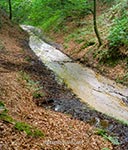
{"x":95,"y":24}
{"x":10,"y":9}
{"x":0,"y":19}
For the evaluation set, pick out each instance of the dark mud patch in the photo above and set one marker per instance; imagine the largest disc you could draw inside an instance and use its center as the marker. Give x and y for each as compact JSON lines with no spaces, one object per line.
{"x":78,"y":110}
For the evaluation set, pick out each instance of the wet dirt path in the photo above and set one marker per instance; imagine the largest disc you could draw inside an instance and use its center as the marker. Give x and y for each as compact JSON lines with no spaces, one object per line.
{"x":97,"y":91}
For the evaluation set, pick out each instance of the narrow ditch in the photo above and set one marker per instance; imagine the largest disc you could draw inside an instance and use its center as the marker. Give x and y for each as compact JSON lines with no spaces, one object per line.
{"x":68,"y":103}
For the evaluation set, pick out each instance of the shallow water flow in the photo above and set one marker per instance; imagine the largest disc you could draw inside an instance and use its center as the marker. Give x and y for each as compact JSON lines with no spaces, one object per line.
{"x":98,"y":92}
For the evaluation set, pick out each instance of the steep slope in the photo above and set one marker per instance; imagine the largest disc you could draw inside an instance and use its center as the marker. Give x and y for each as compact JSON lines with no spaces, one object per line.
{"x":21,"y":78}
{"x":80,"y":43}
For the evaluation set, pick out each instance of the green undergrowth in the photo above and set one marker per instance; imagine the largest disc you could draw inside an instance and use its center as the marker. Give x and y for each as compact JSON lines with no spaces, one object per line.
{"x":19,"y":126}
{"x":105,"y":56}
{"x":34,"y":86}
{"x":104,"y":134}
{"x":29,"y":130}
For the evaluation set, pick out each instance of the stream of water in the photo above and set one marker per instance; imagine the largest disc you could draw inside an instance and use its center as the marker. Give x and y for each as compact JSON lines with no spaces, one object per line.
{"x":98,"y":92}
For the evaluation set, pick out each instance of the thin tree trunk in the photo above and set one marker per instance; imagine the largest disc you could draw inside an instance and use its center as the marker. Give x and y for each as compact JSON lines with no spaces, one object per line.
{"x":0,"y":19}
{"x":10,"y":9}
{"x":95,"y":24}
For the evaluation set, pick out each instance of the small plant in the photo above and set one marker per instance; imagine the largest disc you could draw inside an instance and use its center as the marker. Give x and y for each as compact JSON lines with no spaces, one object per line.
{"x":119,"y":32}
{"x":27,"y":58}
{"x":34,"y":86}
{"x":104,"y":134}
{"x":37,"y":94}
{"x":101,"y":54}
{"x":3,"y":114}
{"x":105,"y":148}
{"x":104,"y":56}
{"x":5,"y":117}
{"x":29,"y":130}
{"x":101,"y":132}
{"x":123,"y":80}
{"x":2,"y":104}
{"x":3,"y":109}
{"x":25,"y":76}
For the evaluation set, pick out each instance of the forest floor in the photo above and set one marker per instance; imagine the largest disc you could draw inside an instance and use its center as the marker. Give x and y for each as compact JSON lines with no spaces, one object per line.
{"x":25,"y":83}
{"x":18,"y":66}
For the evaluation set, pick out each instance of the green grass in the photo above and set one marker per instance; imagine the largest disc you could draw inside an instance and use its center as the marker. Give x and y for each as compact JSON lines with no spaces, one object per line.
{"x":29,"y":130}
{"x":4,"y":114}
{"x":6,"y":118}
